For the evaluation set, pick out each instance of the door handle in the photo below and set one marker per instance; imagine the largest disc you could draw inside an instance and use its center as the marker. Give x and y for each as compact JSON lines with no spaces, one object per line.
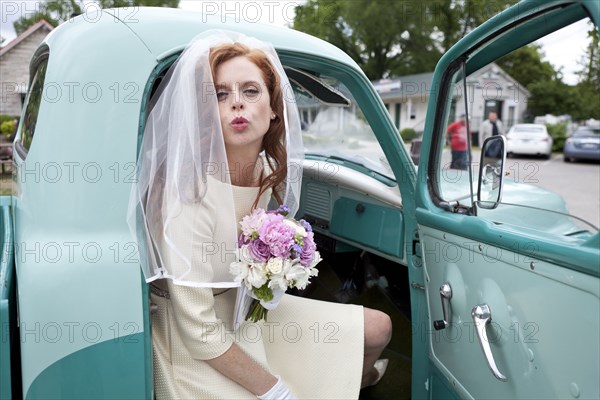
{"x":446,"y":295}
{"x":482,"y":316}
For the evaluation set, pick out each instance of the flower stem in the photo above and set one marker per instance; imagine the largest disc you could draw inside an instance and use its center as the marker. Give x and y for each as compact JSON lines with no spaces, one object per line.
{"x":256,"y":312}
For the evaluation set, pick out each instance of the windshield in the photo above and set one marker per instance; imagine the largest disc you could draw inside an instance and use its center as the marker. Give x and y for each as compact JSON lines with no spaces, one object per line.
{"x":528,"y":129}
{"x":339,"y":133}
{"x":587,"y":132}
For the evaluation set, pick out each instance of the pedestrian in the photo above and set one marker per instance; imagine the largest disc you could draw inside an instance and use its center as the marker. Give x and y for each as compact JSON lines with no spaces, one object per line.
{"x":457,"y":136}
{"x":490,"y":127}
{"x":217,"y":144}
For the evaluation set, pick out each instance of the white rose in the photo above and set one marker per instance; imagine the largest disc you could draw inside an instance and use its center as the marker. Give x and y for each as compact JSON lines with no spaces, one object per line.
{"x":297,"y":227}
{"x":275,"y":265}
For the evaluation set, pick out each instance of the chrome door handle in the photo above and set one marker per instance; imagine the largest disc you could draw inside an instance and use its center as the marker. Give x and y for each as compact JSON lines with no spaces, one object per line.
{"x":446,"y":295}
{"x":482,"y":316}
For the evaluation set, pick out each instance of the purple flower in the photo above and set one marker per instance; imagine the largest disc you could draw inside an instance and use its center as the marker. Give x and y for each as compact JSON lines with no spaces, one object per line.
{"x":308,"y":252}
{"x":296,"y":251}
{"x":276,"y":234}
{"x":259,"y":250}
{"x":283,"y":210}
{"x":242,"y":240}
{"x":305,"y":225}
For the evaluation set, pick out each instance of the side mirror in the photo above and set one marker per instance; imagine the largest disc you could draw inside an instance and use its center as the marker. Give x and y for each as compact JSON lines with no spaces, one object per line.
{"x":491,"y":172}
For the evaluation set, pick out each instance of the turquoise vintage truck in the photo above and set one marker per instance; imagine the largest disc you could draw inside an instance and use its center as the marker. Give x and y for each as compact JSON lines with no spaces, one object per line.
{"x":493,"y":287}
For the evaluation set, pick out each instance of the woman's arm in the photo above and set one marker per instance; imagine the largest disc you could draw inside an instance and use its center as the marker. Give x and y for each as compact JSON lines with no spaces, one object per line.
{"x":238,"y":367}
{"x":204,"y":335}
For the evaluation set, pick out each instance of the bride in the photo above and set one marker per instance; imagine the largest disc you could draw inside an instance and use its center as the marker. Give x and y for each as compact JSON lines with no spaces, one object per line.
{"x":218,"y":143}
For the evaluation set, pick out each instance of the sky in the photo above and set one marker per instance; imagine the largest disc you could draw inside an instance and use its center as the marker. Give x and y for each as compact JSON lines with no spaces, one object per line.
{"x":563,"y":49}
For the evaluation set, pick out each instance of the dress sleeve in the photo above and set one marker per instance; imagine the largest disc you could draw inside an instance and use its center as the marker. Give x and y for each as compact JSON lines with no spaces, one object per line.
{"x":202,"y":332}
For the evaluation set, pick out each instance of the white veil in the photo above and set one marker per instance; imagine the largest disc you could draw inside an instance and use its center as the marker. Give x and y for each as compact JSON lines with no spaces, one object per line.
{"x":183,"y":152}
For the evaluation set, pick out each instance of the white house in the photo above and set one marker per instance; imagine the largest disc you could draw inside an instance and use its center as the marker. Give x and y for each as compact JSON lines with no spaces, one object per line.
{"x":406,"y":99}
{"x":14,"y":67}
{"x":489,"y":89}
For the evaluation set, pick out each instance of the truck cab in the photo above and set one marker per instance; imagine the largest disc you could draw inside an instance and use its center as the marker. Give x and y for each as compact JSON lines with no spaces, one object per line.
{"x":492,"y":284}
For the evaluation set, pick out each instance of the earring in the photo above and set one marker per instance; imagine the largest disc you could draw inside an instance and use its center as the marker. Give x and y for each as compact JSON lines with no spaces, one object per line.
{"x":273,"y":115}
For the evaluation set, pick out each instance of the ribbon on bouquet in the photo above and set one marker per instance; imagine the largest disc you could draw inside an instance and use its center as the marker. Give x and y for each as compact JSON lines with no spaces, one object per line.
{"x":245,"y":298}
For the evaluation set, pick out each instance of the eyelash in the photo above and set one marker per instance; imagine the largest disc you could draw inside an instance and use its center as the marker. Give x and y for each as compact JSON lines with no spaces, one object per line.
{"x":246,"y":93}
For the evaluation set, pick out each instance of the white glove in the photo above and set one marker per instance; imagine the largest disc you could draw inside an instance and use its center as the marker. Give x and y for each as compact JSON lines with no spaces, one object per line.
{"x":278,"y":392}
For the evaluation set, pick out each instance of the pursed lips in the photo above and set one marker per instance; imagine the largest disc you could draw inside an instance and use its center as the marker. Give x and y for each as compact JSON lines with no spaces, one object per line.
{"x":239,"y":123}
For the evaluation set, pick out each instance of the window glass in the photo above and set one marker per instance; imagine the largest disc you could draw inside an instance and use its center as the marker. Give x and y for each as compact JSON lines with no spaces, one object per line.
{"x":542,"y":189}
{"x":340,"y":133}
{"x":33,"y":103}
{"x":453,"y":175}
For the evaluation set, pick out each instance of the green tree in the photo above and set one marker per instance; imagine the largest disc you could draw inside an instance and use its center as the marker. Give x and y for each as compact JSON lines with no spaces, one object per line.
{"x":550,"y":97}
{"x":590,"y":72}
{"x":451,"y":20}
{"x":587,"y":91}
{"x":58,"y":11}
{"x":526,"y":66}
{"x":380,"y":36}
{"x":393,"y":37}
{"x":25,"y":22}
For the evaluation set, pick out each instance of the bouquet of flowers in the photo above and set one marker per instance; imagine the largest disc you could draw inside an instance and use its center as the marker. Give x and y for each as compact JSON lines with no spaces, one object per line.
{"x":276,"y":252}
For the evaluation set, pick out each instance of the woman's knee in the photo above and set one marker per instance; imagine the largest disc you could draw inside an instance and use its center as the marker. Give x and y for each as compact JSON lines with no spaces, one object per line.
{"x":378,"y":328}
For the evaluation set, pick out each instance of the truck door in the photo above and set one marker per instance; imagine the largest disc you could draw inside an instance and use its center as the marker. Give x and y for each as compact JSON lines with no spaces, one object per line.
{"x":512,"y":285}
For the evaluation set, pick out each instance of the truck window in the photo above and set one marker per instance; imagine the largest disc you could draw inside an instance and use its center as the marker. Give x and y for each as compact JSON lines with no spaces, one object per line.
{"x":538,"y":189}
{"x":32,"y":106}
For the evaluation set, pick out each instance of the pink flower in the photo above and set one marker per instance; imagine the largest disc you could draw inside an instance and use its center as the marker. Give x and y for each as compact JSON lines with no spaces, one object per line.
{"x":277,"y":235}
{"x":251,"y":223}
{"x":275,"y":253}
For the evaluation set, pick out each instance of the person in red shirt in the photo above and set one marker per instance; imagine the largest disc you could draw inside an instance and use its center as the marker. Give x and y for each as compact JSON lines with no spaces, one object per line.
{"x":457,"y":136}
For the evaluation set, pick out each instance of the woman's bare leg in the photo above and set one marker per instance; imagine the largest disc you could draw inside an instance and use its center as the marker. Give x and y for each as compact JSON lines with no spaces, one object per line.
{"x":378,"y":332}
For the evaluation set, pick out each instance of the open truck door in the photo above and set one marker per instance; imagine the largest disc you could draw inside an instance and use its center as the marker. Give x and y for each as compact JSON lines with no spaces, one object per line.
{"x":512,"y":286}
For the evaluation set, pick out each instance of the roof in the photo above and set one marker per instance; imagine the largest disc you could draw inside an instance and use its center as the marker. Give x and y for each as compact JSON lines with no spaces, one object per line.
{"x":41,"y":24}
{"x":404,"y":86}
{"x":493,"y":70}
{"x":419,"y":85}
{"x":162,"y":29}
{"x":166,"y":31}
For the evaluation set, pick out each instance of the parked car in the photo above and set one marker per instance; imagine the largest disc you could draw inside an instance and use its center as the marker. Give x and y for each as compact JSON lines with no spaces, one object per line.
{"x":583,"y":144}
{"x":529,"y":139}
{"x":493,"y":288}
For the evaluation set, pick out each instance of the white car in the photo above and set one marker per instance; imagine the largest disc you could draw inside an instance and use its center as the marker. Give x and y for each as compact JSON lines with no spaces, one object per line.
{"x":531,"y":139}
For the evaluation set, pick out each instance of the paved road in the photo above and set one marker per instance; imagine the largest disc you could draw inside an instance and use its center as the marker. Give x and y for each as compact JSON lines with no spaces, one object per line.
{"x":578,"y":183}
